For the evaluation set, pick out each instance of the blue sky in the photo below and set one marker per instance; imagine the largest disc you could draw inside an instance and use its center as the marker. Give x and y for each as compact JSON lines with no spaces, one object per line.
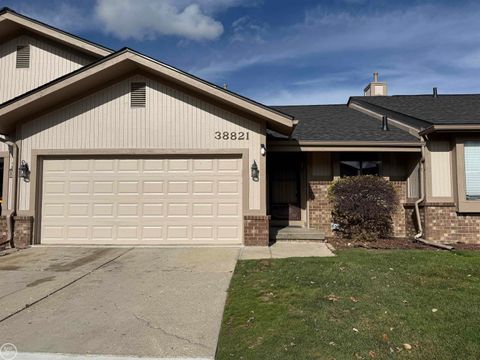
{"x":289,"y":52}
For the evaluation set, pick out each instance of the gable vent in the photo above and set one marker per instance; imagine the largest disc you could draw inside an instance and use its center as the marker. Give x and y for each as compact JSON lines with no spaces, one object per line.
{"x":23,"y":57}
{"x":137,"y":94}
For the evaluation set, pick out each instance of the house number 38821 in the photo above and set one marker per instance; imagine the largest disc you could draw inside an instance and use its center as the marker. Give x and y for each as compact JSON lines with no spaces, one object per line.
{"x":231,"y":135}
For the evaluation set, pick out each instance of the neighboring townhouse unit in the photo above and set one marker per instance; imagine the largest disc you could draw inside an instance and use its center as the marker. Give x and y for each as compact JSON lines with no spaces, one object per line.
{"x":113,"y":147}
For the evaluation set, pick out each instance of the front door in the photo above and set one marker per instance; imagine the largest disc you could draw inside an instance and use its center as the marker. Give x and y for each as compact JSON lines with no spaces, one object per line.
{"x":284,"y":186}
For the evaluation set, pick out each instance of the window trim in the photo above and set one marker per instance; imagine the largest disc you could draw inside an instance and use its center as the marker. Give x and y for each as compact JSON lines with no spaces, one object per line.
{"x":464,"y":205}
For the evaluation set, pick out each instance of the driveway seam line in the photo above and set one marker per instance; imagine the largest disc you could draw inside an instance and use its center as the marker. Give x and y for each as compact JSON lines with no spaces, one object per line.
{"x":64,"y":286}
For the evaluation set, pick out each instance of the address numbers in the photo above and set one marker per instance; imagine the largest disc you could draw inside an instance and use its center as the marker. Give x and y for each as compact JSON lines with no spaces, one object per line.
{"x":231,"y":135}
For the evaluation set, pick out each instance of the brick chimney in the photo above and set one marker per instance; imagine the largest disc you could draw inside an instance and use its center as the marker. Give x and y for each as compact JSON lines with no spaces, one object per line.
{"x":375,"y":88}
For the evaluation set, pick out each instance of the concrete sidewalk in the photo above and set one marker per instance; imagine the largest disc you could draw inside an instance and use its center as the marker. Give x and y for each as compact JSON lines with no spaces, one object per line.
{"x":286,"y":249}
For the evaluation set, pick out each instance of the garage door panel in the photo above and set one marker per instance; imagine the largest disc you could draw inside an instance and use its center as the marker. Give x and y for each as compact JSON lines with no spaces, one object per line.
{"x":52,"y":209}
{"x":103,"y":187}
{"x":178,"y":187}
{"x":203,"y":232}
{"x":203,"y":210}
{"x":79,"y":187}
{"x":78,"y":210}
{"x":178,"y":165}
{"x":203,"y":187}
{"x":153,"y":187}
{"x":153,"y":166}
{"x":203,"y":165}
{"x":228,"y":165}
{"x":228,"y":210}
{"x":228,"y":187}
{"x":128,"y":187}
{"x":78,"y":232}
{"x":79,"y":166}
{"x":227,"y":232}
{"x":177,"y":232}
{"x":54,"y":187}
{"x":142,"y":201}
{"x":153,"y":210}
{"x":128,"y":210}
{"x":177,"y":209}
{"x":100,"y":209}
{"x":104,"y":165}
{"x":128,"y":165}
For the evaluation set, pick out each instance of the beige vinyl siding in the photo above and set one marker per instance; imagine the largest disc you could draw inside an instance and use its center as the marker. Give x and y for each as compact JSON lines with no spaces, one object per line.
{"x":414,"y":182}
{"x":172,"y":120}
{"x":47,"y":62}
{"x":440,"y":169}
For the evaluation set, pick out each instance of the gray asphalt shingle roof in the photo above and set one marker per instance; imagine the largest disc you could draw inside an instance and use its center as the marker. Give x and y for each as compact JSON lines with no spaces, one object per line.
{"x":440,"y":110}
{"x":339,"y":123}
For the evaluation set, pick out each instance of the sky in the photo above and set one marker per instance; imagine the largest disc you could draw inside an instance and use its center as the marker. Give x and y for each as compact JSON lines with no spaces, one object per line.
{"x":281,"y":52}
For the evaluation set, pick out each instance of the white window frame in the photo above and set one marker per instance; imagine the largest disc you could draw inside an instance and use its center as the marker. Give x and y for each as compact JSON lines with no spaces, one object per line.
{"x":464,"y":205}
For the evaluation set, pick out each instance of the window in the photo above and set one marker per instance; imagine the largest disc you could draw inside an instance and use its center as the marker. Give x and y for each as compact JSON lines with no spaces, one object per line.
{"x":354,"y":165}
{"x":23,"y":57}
{"x":472,"y":170}
{"x":414,"y":182}
{"x":137,"y":94}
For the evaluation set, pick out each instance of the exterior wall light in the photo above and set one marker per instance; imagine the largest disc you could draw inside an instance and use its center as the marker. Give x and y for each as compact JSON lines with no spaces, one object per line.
{"x":23,"y":170}
{"x":255,"y":171}
{"x":263,"y":149}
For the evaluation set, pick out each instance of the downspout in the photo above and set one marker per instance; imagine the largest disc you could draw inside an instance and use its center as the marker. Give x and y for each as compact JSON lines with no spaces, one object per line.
{"x":419,"y":236}
{"x":13,"y":195}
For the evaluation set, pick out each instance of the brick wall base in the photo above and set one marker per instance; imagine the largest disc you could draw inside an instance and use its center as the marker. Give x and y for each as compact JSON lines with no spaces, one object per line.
{"x":255,"y":230}
{"x":3,"y":232}
{"x":23,"y":230}
{"x":444,"y":224}
{"x":411,"y":226}
{"x":320,"y":211}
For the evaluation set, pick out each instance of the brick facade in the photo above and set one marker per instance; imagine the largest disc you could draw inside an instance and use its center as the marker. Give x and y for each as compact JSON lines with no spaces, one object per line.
{"x":319,"y":209}
{"x":3,"y":231}
{"x":411,"y":227}
{"x":23,"y":230}
{"x":255,"y":230}
{"x":444,"y":224}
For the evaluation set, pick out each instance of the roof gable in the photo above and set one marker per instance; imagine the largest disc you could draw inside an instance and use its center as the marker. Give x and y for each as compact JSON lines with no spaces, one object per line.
{"x":339,"y":123}
{"x":12,"y":23}
{"x":122,"y":63}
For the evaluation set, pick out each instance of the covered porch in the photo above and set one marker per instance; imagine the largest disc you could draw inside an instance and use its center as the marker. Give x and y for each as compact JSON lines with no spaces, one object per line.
{"x":299,"y":178}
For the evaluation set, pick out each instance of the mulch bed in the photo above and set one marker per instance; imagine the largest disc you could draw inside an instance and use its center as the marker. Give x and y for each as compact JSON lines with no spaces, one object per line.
{"x":394,"y":243}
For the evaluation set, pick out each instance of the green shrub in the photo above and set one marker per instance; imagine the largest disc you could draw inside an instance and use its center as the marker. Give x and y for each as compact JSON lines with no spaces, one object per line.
{"x":362,"y":207}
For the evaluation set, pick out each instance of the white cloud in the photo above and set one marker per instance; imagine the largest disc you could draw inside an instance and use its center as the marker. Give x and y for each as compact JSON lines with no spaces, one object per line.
{"x":146,"y":19}
{"x":64,"y":16}
{"x":246,"y":29}
{"x":431,"y":34}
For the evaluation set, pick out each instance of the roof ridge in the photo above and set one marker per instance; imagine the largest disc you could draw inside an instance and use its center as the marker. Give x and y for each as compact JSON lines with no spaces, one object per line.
{"x":414,"y":95}
{"x":6,"y":9}
{"x":299,"y":105}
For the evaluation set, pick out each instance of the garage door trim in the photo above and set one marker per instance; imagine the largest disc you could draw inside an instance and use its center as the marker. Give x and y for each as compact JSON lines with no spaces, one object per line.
{"x":39,"y":155}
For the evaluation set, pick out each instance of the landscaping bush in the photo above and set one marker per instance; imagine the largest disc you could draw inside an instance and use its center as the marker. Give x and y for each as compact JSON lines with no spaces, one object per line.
{"x":362,"y":207}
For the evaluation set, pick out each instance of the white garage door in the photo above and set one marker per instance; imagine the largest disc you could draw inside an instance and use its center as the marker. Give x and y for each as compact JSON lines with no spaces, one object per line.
{"x":142,"y":201}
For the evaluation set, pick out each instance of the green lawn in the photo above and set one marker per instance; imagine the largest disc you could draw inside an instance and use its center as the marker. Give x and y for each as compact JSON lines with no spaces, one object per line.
{"x":359,"y":305}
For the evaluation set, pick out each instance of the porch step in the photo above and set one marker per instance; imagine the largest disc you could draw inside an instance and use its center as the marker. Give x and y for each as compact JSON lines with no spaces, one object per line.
{"x":295,"y":233}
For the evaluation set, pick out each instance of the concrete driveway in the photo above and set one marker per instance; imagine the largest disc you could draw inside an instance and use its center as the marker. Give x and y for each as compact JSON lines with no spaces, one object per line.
{"x":145,"y":302}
